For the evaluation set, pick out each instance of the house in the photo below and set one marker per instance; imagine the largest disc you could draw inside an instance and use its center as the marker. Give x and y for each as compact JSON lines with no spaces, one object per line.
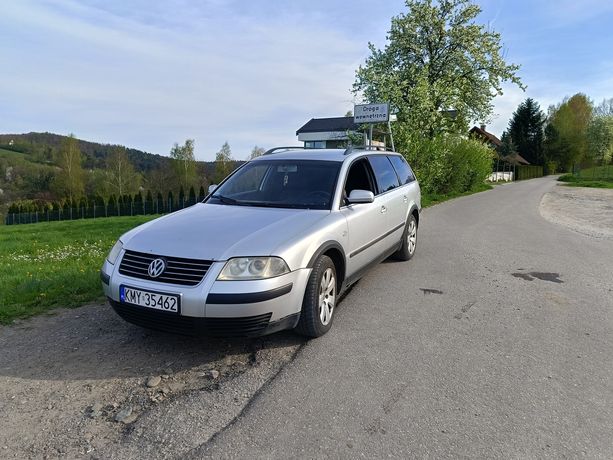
{"x":330,"y":133}
{"x":494,"y":143}
{"x":322,"y":133}
{"x":505,"y":167}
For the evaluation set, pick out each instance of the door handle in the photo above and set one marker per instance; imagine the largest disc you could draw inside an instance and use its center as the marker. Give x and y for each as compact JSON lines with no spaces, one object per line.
{"x":383,"y":209}
{"x":405,"y":199}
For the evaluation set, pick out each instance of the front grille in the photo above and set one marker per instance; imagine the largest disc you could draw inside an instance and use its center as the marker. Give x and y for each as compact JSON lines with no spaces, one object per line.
{"x":186,"y":272}
{"x":187,"y":325}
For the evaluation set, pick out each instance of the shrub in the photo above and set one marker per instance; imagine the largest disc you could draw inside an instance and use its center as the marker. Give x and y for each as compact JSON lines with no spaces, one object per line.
{"x":448,"y":164}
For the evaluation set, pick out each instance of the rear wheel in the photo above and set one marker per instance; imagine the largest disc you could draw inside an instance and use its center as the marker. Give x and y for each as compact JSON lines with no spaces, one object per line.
{"x":409,"y":240}
{"x":319,"y":299}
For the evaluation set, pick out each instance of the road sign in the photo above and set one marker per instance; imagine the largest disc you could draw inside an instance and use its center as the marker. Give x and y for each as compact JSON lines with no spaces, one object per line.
{"x":371,"y":113}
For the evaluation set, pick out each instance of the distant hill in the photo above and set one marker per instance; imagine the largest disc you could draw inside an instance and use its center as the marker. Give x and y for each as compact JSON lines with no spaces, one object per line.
{"x":42,"y":146}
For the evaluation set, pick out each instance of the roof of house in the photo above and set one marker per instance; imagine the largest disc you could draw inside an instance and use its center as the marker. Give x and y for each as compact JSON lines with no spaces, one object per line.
{"x":322,"y":125}
{"x":516,"y":158}
{"x":484,"y":134}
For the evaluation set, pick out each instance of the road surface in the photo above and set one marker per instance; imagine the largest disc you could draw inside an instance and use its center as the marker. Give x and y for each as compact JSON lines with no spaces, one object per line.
{"x":494,"y":341}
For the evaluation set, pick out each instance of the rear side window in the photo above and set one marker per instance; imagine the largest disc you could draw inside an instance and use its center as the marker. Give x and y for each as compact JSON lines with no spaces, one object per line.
{"x":403,"y":169}
{"x":384,"y":173}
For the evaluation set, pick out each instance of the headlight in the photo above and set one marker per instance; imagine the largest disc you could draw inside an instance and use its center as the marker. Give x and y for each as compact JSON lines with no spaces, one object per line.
{"x":115,"y":250}
{"x":253,"y":268}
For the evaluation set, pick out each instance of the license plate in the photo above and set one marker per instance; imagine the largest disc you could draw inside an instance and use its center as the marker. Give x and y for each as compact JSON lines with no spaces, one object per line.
{"x":150,"y":299}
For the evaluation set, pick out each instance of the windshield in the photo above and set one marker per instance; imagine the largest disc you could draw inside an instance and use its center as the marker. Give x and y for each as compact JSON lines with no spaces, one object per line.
{"x":306,"y":184}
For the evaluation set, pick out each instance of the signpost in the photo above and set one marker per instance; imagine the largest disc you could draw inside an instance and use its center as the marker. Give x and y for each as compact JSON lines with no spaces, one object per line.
{"x":371,"y":114}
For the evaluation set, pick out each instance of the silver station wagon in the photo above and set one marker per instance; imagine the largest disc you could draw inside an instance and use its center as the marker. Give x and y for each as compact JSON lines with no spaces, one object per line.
{"x":271,"y":248}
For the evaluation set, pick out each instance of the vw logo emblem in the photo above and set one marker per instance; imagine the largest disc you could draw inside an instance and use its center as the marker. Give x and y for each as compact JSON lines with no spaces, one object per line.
{"x":156,"y":268}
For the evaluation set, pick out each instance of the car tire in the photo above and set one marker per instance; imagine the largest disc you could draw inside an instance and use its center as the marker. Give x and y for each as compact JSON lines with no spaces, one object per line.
{"x":409,"y":240}
{"x":320,"y":299}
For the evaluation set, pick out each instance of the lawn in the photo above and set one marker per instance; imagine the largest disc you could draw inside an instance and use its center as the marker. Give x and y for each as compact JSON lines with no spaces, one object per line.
{"x":586,"y":181}
{"x":430,"y":199}
{"x":55,"y":264}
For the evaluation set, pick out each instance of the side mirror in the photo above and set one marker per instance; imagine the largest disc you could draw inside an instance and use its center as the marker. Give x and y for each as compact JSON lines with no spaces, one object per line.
{"x":361,"y":196}
{"x":212,"y":188}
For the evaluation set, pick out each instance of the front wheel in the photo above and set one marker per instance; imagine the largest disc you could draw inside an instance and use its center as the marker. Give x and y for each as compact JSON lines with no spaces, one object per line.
{"x":409,"y":240}
{"x":319,"y":299}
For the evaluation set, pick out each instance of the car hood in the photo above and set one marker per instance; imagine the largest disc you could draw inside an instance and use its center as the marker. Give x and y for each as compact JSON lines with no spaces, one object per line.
{"x":218,"y":232}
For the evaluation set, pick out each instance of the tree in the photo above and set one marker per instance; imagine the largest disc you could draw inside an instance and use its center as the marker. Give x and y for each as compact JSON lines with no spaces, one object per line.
{"x":526,"y":131}
{"x":256,"y":152}
{"x":600,"y":133}
{"x":507,"y":148}
{"x":223,"y":162}
{"x":566,"y":133}
{"x":121,"y":178}
{"x":184,"y":162}
{"x":70,"y":180}
{"x":439,"y":69}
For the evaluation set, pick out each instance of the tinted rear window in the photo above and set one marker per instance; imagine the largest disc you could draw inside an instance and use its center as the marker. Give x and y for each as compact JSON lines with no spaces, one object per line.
{"x":402,"y":168}
{"x":384,"y":172}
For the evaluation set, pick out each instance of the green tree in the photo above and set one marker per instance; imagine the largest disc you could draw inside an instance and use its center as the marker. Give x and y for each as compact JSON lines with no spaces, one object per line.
{"x":439,"y":69}
{"x":70,"y":180}
{"x":224,"y":163}
{"x":526,"y":131}
{"x":508,"y":146}
{"x":184,"y":162}
{"x":600,"y":133}
{"x":567,"y":131}
{"x":121,"y":177}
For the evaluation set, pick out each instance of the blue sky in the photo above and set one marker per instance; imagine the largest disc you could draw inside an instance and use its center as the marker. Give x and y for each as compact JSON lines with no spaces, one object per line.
{"x":148,"y":74}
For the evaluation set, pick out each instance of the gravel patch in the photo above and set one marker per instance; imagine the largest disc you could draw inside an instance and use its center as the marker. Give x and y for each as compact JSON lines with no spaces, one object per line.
{"x":83,"y":383}
{"x":584,"y":210}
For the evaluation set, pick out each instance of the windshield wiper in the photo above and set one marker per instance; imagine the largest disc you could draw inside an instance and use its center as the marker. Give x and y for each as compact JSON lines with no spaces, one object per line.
{"x":225,"y":199}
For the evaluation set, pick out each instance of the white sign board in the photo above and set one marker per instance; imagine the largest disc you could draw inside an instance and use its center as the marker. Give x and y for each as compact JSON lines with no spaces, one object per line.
{"x":371,"y":113}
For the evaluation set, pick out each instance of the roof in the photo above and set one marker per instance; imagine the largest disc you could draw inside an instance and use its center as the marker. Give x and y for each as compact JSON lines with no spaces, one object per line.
{"x":318,"y":154}
{"x":484,"y":134}
{"x":516,"y":158}
{"x":323,"y":125}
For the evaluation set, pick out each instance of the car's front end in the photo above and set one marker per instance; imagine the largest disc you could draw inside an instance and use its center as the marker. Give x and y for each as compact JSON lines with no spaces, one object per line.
{"x":192,"y":297}
{"x":224,"y":267}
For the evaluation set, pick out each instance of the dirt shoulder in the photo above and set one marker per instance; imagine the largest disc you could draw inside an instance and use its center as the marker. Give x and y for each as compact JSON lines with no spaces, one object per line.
{"x":585,"y":210}
{"x":83,"y":383}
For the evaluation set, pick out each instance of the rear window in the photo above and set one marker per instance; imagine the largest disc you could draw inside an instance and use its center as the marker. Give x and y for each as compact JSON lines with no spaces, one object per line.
{"x":384,"y":173}
{"x":402,"y":169}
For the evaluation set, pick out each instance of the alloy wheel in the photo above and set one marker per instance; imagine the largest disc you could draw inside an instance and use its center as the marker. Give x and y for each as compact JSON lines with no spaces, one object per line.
{"x":327,"y":296}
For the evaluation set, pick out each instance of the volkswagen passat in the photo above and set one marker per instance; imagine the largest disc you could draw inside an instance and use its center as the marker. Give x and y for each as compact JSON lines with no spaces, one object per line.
{"x":271,"y":248}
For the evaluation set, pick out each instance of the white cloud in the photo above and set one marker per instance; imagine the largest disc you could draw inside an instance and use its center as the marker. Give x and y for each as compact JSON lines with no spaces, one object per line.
{"x":149,"y":85}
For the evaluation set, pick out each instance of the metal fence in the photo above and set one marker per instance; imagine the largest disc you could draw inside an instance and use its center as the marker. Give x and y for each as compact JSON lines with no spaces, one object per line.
{"x":590,"y":171}
{"x":97,"y":211}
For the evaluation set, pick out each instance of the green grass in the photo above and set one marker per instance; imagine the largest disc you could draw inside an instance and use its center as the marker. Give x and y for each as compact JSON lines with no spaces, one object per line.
{"x":578,"y":181}
{"x":430,"y":199}
{"x":55,"y":264}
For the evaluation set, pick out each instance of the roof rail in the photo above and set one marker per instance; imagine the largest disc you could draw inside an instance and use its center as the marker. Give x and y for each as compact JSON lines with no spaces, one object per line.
{"x":274,"y":149}
{"x":374,"y":148}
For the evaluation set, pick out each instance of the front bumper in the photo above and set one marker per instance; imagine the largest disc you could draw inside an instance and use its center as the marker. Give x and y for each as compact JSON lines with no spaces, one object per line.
{"x":228,"y":308}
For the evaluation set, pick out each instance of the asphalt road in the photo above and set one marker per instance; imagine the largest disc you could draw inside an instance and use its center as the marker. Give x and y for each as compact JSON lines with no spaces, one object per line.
{"x":494,"y":341}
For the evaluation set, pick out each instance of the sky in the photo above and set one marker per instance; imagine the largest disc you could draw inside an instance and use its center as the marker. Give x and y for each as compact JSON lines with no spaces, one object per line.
{"x":250,"y":72}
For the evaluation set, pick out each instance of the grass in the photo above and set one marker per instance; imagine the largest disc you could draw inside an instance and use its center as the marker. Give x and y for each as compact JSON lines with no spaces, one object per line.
{"x":55,"y":264}
{"x":579,"y":181}
{"x":430,"y":199}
